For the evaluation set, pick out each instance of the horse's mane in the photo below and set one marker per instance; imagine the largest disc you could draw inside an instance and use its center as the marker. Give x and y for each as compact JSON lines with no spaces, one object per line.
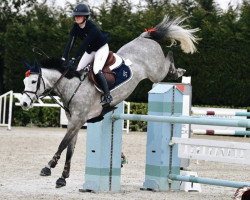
{"x":58,"y":64}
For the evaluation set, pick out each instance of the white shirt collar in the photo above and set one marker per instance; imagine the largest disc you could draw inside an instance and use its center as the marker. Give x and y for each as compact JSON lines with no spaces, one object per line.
{"x":82,"y":26}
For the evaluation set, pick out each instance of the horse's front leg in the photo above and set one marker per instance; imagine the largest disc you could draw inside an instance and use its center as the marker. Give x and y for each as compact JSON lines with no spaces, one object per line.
{"x":71,"y":132}
{"x":70,"y":150}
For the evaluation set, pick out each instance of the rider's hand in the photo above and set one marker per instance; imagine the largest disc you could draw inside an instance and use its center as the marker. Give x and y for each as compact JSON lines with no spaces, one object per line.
{"x":71,"y":62}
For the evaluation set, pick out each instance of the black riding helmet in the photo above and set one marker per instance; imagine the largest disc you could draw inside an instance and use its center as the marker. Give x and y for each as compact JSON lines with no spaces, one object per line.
{"x":81,"y":10}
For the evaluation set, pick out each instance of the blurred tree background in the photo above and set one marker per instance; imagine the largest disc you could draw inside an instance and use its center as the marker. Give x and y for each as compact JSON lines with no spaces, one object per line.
{"x":220,"y":69}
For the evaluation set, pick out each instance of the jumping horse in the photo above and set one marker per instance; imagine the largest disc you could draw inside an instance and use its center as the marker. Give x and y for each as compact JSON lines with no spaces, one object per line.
{"x":143,"y":57}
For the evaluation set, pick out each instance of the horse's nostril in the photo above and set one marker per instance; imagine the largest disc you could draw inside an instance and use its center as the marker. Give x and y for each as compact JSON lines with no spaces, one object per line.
{"x":25,"y":104}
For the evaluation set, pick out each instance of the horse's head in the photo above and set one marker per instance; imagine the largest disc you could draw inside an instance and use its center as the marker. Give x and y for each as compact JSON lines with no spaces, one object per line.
{"x":32,"y":84}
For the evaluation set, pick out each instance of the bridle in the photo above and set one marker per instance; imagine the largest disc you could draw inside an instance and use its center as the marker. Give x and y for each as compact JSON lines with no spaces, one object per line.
{"x":47,"y":92}
{"x":27,"y":92}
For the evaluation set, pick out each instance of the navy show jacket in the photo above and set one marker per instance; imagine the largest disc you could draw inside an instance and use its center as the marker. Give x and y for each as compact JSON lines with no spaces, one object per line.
{"x":93,"y":38}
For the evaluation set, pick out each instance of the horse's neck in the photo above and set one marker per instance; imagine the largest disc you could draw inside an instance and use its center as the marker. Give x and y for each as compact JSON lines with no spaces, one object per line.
{"x":50,"y":77}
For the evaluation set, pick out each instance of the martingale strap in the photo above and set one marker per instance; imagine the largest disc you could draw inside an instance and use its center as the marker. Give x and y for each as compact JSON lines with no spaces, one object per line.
{"x":56,"y":101}
{"x":47,"y":93}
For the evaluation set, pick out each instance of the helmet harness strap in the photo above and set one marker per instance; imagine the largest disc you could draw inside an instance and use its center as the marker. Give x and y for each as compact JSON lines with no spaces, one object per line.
{"x":84,"y":20}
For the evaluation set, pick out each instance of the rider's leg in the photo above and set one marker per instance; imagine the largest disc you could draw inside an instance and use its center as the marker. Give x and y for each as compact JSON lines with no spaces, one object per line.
{"x":85,"y":60}
{"x":101,"y":56}
{"x":103,"y":83}
{"x":100,"y":59}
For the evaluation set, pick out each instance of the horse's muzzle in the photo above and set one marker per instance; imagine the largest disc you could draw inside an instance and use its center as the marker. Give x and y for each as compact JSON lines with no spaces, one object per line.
{"x":25,"y":105}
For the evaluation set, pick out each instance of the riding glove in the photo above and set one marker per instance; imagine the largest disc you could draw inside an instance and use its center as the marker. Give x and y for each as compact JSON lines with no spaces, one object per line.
{"x":71,"y":62}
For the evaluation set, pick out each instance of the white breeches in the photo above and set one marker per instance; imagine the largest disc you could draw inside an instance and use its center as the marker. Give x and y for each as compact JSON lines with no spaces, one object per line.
{"x":99,"y":57}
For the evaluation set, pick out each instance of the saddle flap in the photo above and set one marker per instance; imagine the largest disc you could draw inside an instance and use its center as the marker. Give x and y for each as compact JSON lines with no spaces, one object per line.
{"x":110,"y":60}
{"x":109,"y":75}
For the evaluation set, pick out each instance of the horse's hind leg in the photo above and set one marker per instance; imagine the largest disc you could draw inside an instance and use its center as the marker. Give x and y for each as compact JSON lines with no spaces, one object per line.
{"x":173,"y":73}
{"x":70,"y":150}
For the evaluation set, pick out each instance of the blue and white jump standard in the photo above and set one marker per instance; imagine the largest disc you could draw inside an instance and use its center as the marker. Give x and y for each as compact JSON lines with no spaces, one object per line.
{"x":164,"y":100}
{"x":103,"y":154}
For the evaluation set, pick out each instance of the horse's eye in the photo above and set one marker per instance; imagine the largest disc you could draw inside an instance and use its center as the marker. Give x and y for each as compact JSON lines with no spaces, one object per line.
{"x":33,"y":82}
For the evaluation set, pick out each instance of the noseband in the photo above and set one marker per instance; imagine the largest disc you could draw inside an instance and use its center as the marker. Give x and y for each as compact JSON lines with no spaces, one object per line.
{"x":37,"y":86}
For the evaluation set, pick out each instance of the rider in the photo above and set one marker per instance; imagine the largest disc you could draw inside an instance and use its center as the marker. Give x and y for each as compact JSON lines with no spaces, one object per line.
{"x":95,"y":45}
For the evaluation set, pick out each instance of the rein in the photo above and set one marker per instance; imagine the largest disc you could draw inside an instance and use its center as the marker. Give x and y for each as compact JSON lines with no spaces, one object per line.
{"x":47,"y":92}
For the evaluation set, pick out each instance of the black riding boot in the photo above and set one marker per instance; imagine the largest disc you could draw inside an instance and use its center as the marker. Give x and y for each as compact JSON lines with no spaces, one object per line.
{"x":104,"y":85}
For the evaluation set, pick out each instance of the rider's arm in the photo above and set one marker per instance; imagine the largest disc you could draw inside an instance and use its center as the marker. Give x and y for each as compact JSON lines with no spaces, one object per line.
{"x":70,"y":44}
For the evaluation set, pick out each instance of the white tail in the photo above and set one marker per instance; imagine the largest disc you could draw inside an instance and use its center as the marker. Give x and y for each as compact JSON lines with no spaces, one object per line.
{"x":173,"y":30}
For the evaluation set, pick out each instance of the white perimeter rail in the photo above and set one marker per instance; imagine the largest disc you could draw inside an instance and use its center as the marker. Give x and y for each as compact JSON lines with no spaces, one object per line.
{"x":128,"y":112}
{"x":3,"y":109}
{"x":3,"y":106}
{"x":212,"y":150}
{"x":40,"y":103}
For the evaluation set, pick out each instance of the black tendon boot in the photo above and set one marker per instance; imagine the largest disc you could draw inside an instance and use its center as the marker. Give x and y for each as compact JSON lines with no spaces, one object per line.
{"x":104,"y":85}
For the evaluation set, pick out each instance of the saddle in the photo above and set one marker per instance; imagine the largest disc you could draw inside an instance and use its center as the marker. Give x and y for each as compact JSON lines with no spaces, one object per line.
{"x":117,"y":72}
{"x":109,"y":75}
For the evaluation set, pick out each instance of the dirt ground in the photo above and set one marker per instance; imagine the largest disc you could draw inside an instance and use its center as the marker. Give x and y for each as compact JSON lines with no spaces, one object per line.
{"x":25,"y":151}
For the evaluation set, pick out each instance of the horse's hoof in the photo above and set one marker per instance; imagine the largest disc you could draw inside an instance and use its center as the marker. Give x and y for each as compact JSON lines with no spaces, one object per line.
{"x":60,"y":182}
{"x":45,"y":171}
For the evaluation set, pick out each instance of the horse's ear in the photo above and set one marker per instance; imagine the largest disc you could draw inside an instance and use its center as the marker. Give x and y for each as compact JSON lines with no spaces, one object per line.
{"x":27,"y":65}
{"x":37,"y":67}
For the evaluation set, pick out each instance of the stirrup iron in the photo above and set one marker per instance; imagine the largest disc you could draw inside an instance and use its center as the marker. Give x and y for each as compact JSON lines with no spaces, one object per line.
{"x":106,"y":99}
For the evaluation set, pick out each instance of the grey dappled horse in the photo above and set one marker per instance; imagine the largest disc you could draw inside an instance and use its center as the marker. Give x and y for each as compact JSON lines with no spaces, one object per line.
{"x":148,"y":61}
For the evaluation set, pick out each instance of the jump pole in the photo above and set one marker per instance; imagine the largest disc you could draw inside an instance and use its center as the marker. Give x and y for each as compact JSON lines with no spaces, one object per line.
{"x":186,"y":120}
{"x":219,"y":132}
{"x":210,"y":181}
{"x":221,"y":113}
